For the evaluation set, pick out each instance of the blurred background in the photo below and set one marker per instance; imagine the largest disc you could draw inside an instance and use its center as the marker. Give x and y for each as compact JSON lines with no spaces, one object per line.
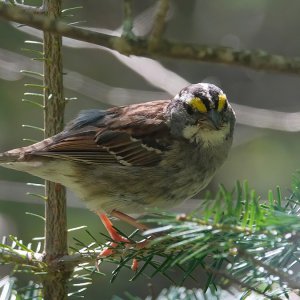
{"x":267,"y":140}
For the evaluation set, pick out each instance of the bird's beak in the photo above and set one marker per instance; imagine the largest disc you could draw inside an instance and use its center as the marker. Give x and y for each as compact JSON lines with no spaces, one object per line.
{"x":214,"y":118}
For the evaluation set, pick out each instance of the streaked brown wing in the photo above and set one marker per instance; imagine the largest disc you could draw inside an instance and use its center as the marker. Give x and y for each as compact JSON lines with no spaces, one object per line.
{"x":80,"y":147}
{"x":134,"y":135}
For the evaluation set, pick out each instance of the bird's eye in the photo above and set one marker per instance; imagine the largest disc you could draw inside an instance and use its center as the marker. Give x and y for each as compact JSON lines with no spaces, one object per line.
{"x":188,"y":108}
{"x":222,"y":103}
{"x":198,"y":104}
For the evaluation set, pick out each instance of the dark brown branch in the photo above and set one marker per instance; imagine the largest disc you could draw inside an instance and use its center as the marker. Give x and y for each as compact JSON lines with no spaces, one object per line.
{"x":54,"y":285}
{"x":256,"y":59}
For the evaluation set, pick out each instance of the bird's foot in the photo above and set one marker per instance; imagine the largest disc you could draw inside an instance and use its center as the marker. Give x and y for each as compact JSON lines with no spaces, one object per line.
{"x":118,"y":238}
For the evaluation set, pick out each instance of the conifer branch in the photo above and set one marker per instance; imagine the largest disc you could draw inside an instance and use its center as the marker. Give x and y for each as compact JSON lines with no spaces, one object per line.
{"x":233,"y":229}
{"x":21,"y":258}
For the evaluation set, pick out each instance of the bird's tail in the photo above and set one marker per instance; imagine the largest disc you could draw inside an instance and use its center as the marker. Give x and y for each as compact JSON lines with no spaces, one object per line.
{"x":23,"y":154}
{"x":11,"y":159}
{"x":17,"y":159}
{"x":24,"y":158}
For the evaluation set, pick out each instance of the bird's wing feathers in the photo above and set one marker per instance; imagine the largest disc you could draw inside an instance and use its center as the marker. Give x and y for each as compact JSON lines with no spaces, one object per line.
{"x":134,"y":135}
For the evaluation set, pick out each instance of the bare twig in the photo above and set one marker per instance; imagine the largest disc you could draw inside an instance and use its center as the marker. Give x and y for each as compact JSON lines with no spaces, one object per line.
{"x":257,"y":59}
{"x":159,"y":25}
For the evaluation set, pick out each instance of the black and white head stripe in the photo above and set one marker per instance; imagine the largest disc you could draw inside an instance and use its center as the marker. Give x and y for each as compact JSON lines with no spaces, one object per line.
{"x":203,"y":97}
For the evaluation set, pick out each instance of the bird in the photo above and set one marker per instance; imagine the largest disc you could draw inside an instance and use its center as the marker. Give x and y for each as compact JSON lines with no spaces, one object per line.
{"x":125,"y":159}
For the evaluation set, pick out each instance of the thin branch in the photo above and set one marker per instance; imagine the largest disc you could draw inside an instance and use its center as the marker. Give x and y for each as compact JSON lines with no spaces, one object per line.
{"x":294,"y":284}
{"x":243,"y":284}
{"x":29,"y":8}
{"x":159,"y":25}
{"x":257,"y":59}
{"x":247,"y":115}
{"x":76,"y":259}
{"x":128,"y":20}
{"x":36,"y":260}
{"x":21,"y":257}
{"x":50,"y":24}
{"x":210,"y":224}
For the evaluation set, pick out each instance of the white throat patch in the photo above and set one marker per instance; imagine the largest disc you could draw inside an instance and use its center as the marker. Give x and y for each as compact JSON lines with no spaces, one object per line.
{"x":207,"y":137}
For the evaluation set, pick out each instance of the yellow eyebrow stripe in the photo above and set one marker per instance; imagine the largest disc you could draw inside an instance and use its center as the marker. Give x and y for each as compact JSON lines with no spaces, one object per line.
{"x":222,"y":102}
{"x":198,"y":104}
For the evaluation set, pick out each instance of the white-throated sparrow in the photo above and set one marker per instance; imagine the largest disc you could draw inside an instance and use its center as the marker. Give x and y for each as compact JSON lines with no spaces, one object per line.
{"x":153,"y":154}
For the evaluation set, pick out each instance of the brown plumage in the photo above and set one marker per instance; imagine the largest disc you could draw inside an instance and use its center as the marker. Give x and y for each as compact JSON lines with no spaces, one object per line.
{"x":135,"y":140}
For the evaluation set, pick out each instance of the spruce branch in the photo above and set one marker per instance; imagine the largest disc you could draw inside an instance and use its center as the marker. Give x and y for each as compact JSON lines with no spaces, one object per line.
{"x":234,"y":237}
{"x":256,"y":59}
{"x":10,"y":255}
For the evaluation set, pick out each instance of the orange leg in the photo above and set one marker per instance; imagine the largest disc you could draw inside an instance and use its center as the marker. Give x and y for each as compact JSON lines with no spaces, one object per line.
{"x":123,"y":217}
{"x":111,"y":230}
{"x":116,"y":237}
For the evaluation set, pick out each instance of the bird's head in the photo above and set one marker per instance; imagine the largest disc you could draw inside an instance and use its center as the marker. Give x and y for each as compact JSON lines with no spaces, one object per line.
{"x":201,"y":112}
